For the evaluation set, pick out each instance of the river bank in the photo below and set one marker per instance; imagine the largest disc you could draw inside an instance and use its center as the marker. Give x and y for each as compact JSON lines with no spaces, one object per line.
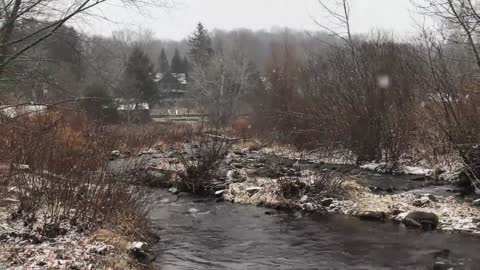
{"x":277,"y":177}
{"x":24,"y":246}
{"x":247,"y":174}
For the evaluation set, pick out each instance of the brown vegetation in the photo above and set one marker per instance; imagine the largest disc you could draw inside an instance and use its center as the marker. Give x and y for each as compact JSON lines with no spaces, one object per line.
{"x":200,"y":164}
{"x":63,"y":176}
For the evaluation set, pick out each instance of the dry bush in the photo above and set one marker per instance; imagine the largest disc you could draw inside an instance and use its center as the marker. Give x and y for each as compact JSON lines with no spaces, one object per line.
{"x":327,"y":184}
{"x":318,"y":185}
{"x":311,"y":100}
{"x":68,"y":178}
{"x":292,"y":187}
{"x":201,"y":163}
{"x":144,"y":136}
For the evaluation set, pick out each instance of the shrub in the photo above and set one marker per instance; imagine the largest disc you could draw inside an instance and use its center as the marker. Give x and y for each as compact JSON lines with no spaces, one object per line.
{"x":317,"y":185}
{"x":326,"y":184}
{"x":201,"y":163}
{"x":291,"y":187}
{"x":67,"y":177}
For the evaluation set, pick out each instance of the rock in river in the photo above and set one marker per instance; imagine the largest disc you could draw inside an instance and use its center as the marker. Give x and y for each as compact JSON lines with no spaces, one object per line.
{"x":141,"y":252}
{"x":419,"y":219}
{"x":173,"y":190}
{"x":373,"y":215}
{"x":308,"y":207}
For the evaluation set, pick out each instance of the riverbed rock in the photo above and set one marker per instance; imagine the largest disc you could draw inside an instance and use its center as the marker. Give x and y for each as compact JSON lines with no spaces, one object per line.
{"x":326,"y":202}
{"x":253,"y":190}
{"x":432,"y":197}
{"x":411,"y":223}
{"x":421,"y":202}
{"x":239,"y":153}
{"x":476,"y":202}
{"x":308,"y":207}
{"x":373,"y":215}
{"x":304,"y":199}
{"x":141,"y":252}
{"x":193,"y":210}
{"x":219,"y":193}
{"x":115,"y":154}
{"x":235,"y":176}
{"x":173,"y":190}
{"x":443,"y":265}
{"x":419,"y":219}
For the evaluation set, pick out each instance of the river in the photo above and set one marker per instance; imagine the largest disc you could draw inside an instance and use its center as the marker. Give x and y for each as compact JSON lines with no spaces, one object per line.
{"x":198,"y":233}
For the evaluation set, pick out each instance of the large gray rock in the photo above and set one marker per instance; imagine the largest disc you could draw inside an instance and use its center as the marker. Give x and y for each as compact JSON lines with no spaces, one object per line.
{"x":234,"y":176}
{"x":419,"y":219}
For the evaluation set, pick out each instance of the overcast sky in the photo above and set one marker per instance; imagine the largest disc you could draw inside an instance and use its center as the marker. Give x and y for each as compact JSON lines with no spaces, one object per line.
{"x":179,"y":21}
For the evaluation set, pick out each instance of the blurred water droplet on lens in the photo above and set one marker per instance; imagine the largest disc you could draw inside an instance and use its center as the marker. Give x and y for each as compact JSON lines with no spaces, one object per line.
{"x":383,"y":81}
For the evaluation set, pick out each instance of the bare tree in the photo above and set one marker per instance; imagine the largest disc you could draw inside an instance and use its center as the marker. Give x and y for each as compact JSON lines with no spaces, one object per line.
{"x":458,"y":22}
{"x":220,"y":86}
{"x":57,"y":13}
{"x":450,"y":56}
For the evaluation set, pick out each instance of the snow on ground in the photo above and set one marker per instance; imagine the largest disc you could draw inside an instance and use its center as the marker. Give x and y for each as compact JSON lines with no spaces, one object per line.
{"x":384,"y":167}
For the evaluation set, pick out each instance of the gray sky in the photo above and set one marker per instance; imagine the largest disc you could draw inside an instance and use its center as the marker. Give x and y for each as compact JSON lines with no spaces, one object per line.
{"x":179,"y":21}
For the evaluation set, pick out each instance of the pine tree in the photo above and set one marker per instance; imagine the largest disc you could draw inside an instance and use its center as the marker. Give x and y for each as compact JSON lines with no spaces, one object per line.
{"x":138,"y":77}
{"x":164,"y":66}
{"x":177,"y":63}
{"x":186,"y":65}
{"x":97,"y":102}
{"x":200,"y":46}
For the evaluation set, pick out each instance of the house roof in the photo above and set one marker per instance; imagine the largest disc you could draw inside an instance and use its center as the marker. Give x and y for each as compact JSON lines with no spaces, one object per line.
{"x":181,"y":77}
{"x":13,"y":111}
{"x":130,"y":105}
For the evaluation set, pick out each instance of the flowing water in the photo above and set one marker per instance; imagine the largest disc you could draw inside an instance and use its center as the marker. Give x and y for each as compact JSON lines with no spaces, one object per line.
{"x":199,"y":233}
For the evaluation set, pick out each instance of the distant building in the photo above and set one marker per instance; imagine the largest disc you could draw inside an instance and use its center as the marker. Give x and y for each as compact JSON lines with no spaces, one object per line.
{"x":172,"y":85}
{"x":24,"y":110}
{"x":129,"y":111}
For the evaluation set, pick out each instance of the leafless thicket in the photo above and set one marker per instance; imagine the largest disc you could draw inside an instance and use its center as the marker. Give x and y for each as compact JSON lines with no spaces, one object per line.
{"x":201,"y":163}
{"x":377,"y":97}
{"x":319,"y":185}
{"x":62,"y":175}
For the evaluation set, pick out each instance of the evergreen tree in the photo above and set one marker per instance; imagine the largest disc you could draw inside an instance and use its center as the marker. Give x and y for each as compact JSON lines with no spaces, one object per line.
{"x":200,"y":46}
{"x":186,"y":65}
{"x":164,"y":66}
{"x":98,"y":101}
{"x":138,"y":77}
{"x":177,"y":63}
